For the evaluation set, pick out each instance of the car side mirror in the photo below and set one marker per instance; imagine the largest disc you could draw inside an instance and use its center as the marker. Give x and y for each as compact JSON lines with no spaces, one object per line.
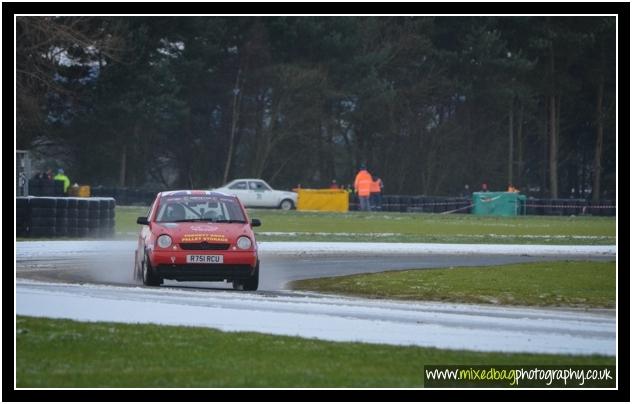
{"x":255,"y":222}
{"x":142,"y":220}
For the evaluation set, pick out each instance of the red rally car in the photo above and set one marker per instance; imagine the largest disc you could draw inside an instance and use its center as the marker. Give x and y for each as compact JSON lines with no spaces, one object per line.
{"x":197,"y":236}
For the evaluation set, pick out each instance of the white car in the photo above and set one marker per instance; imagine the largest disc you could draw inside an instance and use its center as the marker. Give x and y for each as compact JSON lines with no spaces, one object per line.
{"x":256,"y":193}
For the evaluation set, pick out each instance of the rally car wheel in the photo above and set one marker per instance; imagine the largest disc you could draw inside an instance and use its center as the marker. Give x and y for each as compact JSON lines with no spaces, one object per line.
{"x":253,"y":282}
{"x":149,"y":277}
{"x":287,"y":204}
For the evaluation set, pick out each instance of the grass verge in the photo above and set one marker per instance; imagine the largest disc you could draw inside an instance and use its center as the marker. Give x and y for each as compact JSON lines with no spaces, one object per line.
{"x":561,"y":283}
{"x":64,"y":353}
{"x":433,"y":228}
{"x":125,"y":217}
{"x":411,"y":227}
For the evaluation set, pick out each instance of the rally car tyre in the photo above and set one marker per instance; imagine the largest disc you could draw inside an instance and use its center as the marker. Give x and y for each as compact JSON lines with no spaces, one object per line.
{"x":252,"y":284}
{"x":148,"y":276}
{"x":286,"y":204}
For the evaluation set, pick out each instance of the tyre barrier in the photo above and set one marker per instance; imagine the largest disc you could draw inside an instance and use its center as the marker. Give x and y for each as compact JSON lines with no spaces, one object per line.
{"x":52,"y":217}
{"x":570,"y":207}
{"x":543,"y":207}
{"x":418,"y":204}
{"x":396,"y":203}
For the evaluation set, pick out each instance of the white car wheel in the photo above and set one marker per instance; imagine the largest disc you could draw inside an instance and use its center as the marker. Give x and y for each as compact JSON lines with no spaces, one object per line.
{"x":287,"y":204}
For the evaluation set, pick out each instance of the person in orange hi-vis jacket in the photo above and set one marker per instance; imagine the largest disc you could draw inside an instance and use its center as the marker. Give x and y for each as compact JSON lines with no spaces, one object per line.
{"x":376,"y":193}
{"x":362,"y":185}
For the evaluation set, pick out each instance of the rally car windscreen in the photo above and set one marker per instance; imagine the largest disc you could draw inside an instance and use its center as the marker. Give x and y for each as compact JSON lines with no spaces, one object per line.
{"x":199,"y":208}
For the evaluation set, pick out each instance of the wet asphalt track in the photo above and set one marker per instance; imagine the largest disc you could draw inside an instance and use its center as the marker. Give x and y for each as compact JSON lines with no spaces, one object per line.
{"x":92,"y":281}
{"x":111,"y":262}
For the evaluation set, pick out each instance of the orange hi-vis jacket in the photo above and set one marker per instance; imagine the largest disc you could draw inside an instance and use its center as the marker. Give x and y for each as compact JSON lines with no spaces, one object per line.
{"x":362,"y":183}
{"x":376,"y":186}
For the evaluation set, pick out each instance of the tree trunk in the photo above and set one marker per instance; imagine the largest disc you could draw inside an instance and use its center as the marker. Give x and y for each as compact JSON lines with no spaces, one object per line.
{"x":511,"y":144}
{"x":519,"y":146}
{"x":545,"y":146}
{"x":233,"y":126}
{"x":553,"y":147}
{"x":123,"y":169}
{"x":596,"y":189}
{"x":322,"y":173}
{"x":269,"y":136}
{"x":553,"y":125}
{"x":331,"y":156}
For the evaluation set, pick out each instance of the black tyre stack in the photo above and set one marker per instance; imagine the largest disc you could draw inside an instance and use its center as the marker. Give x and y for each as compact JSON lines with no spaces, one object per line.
{"x":65,"y":217}
{"x":106,"y":217}
{"x":43,"y":217}
{"x":22,"y":216}
{"x":111,"y":222}
{"x":61,"y":218}
{"x":83,"y":224}
{"x":393,"y":205}
{"x":354,"y":203}
{"x":94,"y":214}
{"x":73,"y":217}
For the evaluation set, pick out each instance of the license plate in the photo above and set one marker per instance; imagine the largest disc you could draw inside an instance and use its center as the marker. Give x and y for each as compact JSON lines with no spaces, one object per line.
{"x":205,"y":259}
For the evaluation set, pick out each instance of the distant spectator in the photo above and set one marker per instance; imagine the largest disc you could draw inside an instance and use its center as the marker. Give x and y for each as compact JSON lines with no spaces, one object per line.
{"x":334,"y":185}
{"x":362,"y":186}
{"x":484,"y":187}
{"x":49,"y":174}
{"x":466,"y":191}
{"x":376,"y":192}
{"x":62,"y":177}
{"x":511,"y":188}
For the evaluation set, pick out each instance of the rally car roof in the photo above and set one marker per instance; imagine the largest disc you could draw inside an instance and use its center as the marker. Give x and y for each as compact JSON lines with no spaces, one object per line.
{"x":185,"y":192}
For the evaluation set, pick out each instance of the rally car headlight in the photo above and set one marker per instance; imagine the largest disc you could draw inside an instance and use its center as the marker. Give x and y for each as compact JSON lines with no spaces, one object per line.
{"x":164,"y":241}
{"x":244,"y":243}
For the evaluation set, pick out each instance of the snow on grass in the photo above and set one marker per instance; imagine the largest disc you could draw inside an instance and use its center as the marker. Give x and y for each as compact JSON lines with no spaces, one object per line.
{"x":450,"y":326}
{"x":481,"y":236}
{"x":31,"y":249}
{"x":430,"y":248}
